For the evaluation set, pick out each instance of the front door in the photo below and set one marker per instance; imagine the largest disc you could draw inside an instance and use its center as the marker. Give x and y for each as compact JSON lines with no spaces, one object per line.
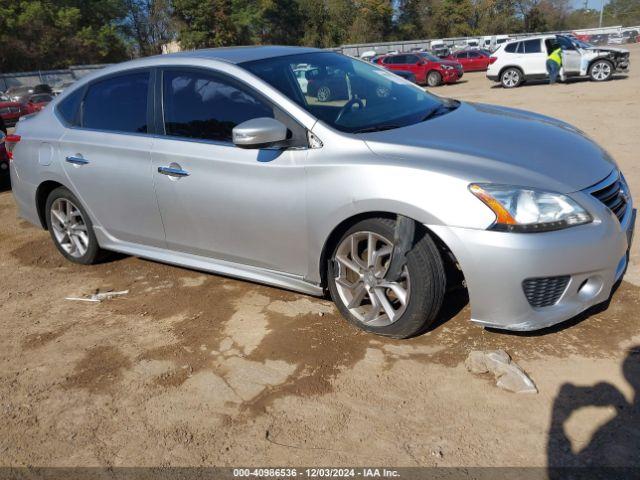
{"x":107,"y":159}
{"x":218,"y":200}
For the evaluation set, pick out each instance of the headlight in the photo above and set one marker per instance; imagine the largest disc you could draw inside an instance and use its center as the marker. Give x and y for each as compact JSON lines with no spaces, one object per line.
{"x":520,"y":209}
{"x":447,"y":67}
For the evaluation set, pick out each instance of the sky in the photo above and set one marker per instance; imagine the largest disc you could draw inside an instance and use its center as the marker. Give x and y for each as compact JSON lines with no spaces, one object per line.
{"x":596,"y":4}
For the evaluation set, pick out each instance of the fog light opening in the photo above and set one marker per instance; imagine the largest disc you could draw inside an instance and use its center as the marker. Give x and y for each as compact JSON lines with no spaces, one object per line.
{"x":590,"y":288}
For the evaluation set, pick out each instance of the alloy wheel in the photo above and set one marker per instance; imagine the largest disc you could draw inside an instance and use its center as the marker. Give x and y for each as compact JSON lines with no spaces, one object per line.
{"x":510,"y":78}
{"x":324,"y":93}
{"x":601,"y":71}
{"x":69,"y":227}
{"x":361,"y":261}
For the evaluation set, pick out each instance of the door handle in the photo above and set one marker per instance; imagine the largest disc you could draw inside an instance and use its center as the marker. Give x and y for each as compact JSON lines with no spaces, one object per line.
{"x":173,"y":172}
{"x":76,"y":160}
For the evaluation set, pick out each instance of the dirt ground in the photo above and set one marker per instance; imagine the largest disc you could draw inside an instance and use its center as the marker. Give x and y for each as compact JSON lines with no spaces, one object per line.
{"x":193,"y":369}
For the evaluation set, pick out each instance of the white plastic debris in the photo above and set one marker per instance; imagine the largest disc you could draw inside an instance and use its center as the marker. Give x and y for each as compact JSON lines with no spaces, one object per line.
{"x":99,"y":297}
{"x":509,"y":376}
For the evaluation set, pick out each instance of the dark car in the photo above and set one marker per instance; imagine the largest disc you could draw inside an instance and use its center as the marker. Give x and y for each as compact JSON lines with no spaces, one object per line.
{"x":600,"y":39}
{"x":4,"y":158}
{"x":327,"y":84}
{"x":406,"y":75}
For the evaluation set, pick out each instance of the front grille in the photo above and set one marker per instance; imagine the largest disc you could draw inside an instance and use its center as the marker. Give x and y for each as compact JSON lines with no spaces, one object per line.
{"x":544,"y":291}
{"x":613,"y":195}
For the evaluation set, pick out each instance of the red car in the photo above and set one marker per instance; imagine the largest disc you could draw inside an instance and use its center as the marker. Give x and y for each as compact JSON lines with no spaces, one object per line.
{"x":35,"y":102}
{"x":471,"y":60}
{"x":10,"y":111}
{"x":427,"y":69}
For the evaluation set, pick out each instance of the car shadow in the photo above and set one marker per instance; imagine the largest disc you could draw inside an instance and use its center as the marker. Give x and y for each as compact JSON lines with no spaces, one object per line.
{"x":569,"y":81}
{"x":614,"y":448}
{"x":5,"y":183}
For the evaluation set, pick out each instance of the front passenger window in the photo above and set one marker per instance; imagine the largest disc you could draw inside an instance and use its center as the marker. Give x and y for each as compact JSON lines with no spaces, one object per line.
{"x":207,"y":107}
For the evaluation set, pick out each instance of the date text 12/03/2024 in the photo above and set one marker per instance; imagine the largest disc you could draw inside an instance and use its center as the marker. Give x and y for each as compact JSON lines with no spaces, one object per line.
{"x":316,"y":472}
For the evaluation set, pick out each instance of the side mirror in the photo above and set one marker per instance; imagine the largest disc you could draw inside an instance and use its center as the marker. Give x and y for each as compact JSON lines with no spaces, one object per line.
{"x":259,"y":133}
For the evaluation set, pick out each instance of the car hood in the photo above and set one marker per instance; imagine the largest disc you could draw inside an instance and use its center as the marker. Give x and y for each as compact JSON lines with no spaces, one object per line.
{"x":607,"y":49}
{"x":453,"y":63}
{"x":486,"y":143}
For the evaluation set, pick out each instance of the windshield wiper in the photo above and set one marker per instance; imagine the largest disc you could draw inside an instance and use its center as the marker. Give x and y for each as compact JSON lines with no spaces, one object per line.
{"x":440,"y":110}
{"x":376,"y":128}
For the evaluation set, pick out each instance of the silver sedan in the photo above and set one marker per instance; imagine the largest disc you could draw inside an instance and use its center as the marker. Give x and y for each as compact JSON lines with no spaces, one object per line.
{"x":345,"y":179}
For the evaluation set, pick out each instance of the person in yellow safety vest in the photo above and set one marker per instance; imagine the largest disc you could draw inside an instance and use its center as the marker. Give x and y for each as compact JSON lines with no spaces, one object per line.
{"x":554,"y":63}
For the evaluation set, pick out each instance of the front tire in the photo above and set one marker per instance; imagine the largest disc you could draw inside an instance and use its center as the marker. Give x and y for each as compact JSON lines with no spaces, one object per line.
{"x":601,"y":71}
{"x":397,"y":309}
{"x":71,"y":228}
{"x":511,"y":78}
{"x":434,"y":79}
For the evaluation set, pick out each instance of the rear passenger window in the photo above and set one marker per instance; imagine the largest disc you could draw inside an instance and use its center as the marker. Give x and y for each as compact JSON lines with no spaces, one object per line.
{"x":202,"y":106}
{"x":512,"y":47}
{"x":532,"y":46}
{"x":118,"y":104}
{"x":68,"y":107}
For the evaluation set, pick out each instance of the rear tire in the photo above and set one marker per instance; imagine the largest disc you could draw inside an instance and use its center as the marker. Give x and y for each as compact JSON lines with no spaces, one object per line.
{"x":360,"y":297}
{"x":434,"y":79}
{"x":601,"y":71}
{"x":71,"y":228}
{"x":511,"y":78}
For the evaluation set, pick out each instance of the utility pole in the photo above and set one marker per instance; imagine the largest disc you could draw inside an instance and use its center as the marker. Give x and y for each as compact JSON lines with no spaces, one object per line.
{"x":601,"y":12}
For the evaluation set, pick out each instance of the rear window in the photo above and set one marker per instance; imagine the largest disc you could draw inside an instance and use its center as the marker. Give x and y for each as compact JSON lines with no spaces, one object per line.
{"x":512,"y":47}
{"x":117,"y":104}
{"x":68,"y":107}
{"x":532,"y":46}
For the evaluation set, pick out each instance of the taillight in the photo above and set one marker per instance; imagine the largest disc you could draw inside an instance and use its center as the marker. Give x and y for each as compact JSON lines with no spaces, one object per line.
{"x":10,"y":141}
{"x":492,"y":59}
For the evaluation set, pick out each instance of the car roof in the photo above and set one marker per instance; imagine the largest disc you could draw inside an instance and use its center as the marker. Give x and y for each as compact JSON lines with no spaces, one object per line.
{"x":238,"y":55}
{"x":536,"y":37}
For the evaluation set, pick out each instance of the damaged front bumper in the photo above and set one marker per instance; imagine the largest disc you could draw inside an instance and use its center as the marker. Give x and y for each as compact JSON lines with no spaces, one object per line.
{"x":499,"y":267}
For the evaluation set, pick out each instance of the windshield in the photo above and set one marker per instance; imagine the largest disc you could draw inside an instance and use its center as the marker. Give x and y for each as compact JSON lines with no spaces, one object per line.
{"x":347,"y":94}
{"x":582,"y":44}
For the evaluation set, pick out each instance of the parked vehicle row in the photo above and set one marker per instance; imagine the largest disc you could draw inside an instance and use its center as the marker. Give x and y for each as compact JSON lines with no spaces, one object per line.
{"x":12,"y":110}
{"x":426,"y":68}
{"x":525,"y":59}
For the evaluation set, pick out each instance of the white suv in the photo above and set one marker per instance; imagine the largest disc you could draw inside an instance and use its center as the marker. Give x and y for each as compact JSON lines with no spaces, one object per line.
{"x":525,"y":59}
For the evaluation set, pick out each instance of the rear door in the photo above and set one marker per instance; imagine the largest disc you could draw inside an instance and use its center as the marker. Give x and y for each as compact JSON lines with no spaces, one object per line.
{"x":463,"y":59}
{"x":534,"y":58}
{"x":221,"y":201}
{"x":106,"y":156}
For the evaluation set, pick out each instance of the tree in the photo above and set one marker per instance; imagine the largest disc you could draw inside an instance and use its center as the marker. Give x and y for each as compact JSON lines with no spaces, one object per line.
{"x":47,"y":34}
{"x":451,"y":18}
{"x":372,"y":21}
{"x":150,"y":25}
{"x":410,"y":23}
{"x":622,"y":12}
{"x":205,"y":23}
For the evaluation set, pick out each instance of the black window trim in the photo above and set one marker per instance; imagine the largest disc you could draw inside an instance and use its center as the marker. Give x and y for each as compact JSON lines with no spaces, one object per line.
{"x":158,"y":106}
{"x":85,"y":88}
